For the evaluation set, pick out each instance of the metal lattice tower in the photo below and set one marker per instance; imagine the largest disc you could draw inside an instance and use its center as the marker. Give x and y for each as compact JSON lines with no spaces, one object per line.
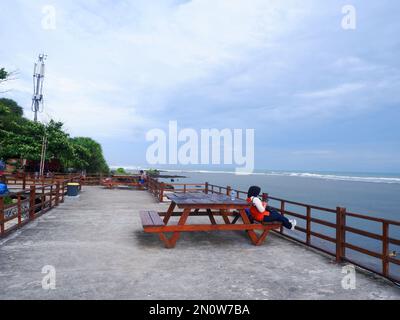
{"x":38,"y":77}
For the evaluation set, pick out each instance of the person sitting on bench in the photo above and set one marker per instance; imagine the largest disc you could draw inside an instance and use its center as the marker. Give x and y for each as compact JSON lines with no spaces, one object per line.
{"x":261,"y":212}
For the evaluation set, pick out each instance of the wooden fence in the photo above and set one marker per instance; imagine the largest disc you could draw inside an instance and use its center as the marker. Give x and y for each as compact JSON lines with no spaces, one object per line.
{"x":37,"y":196}
{"x":336,"y":220}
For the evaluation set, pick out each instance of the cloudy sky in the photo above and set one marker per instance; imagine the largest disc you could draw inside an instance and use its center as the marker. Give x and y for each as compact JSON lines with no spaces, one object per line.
{"x":319,"y":97}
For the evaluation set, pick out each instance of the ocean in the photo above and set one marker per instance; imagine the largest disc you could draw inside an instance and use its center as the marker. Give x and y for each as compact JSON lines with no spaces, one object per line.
{"x":376,"y":195}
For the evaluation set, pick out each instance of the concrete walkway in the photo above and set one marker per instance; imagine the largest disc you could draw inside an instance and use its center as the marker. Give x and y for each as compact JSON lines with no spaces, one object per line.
{"x":99,"y":251}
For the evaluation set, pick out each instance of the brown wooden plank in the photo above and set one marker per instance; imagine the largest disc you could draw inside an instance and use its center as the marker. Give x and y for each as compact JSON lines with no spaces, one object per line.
{"x":169,"y":212}
{"x":210,"y":227}
{"x":211,"y":217}
{"x":157,"y":221}
{"x":146,"y":219}
{"x":204,"y":199}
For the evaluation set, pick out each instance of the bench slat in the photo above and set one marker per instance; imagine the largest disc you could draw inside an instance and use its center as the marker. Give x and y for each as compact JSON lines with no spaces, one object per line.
{"x":150,"y":219}
{"x":155,"y":217}
{"x":145,"y":218}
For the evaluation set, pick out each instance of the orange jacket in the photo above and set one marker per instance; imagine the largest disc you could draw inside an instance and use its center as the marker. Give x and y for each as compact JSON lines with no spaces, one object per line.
{"x":257,"y":215}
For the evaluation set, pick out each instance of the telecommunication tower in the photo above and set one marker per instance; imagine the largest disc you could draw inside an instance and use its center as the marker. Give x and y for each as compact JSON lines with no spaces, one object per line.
{"x":38,"y":77}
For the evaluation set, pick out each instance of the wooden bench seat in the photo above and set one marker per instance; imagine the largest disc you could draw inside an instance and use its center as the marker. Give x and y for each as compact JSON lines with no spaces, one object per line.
{"x":271,"y":224}
{"x":153,"y":223}
{"x":150,"y":219}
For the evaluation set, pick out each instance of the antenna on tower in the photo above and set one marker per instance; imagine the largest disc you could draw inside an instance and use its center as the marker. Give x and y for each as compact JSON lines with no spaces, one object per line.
{"x":38,"y":76}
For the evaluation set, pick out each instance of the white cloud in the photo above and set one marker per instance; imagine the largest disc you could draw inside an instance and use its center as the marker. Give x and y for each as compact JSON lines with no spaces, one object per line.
{"x":343,"y":89}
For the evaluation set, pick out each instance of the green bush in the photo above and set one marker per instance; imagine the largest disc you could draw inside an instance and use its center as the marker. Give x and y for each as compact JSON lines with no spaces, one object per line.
{"x":120,"y":171}
{"x":7,"y":201}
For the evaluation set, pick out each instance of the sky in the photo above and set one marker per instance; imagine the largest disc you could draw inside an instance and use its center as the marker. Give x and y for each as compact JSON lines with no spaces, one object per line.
{"x":320,"y":97}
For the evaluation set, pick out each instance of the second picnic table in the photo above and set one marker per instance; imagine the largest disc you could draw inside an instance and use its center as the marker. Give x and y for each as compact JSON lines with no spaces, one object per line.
{"x":203,"y":204}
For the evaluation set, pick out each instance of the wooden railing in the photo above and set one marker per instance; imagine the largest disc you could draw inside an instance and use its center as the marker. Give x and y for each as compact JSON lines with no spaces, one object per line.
{"x":336,"y":220}
{"x":160,"y":189}
{"x":36,"y":198}
{"x":326,"y":229}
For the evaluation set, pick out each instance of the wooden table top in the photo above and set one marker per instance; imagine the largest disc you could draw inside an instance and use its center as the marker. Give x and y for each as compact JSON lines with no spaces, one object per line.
{"x":202,"y":199}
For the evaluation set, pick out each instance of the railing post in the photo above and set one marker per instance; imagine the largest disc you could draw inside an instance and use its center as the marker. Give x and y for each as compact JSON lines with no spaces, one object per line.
{"x":43,"y":198}
{"x":340,"y":233}
{"x":184,"y":188}
{"x":51,"y":196}
{"x":2,"y":216}
{"x":385,"y":249}
{"x":32,"y":198}
{"x":63,"y":191}
{"x":228,"y":191}
{"x":19,"y":204}
{"x":282,"y":213}
{"x":308,"y":226}
{"x":206,"y":188}
{"x":57,"y":193}
{"x":24,"y":181}
{"x":161,"y":194}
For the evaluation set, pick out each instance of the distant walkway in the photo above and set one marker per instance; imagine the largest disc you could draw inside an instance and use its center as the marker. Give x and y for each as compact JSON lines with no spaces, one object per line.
{"x":99,"y":251}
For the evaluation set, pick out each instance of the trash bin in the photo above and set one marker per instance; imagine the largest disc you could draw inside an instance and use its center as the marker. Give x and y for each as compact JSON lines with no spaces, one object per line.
{"x":3,"y":188}
{"x":72,"y":189}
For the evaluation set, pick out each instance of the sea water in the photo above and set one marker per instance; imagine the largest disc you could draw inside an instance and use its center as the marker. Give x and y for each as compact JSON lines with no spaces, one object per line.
{"x":376,"y":195}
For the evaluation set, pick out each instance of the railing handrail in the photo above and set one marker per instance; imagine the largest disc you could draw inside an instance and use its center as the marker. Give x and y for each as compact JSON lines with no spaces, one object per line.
{"x":49,"y":195}
{"x":158,"y":189}
{"x":341,"y":228}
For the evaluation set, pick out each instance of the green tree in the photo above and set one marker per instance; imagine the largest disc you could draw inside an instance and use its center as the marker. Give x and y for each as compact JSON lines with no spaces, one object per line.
{"x":89,"y":155}
{"x":22,"y":138}
{"x":13,"y":107}
{"x":120,"y":171}
{"x":3,"y":74}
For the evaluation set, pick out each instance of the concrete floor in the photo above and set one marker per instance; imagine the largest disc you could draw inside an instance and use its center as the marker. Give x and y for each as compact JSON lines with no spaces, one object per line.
{"x":99,"y":251}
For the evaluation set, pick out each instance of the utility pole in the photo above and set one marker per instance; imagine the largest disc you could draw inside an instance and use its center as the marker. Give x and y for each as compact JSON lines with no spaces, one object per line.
{"x":43,"y":155}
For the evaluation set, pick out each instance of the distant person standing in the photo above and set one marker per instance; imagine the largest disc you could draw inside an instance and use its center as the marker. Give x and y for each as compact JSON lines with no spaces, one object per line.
{"x":143,"y":177}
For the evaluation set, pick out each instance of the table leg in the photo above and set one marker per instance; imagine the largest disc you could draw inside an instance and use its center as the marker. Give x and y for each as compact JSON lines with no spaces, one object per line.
{"x":252,"y":234}
{"x":169,"y":212}
{"x":262,"y":237}
{"x":211,"y":216}
{"x":171,"y":242}
{"x":224,"y":216}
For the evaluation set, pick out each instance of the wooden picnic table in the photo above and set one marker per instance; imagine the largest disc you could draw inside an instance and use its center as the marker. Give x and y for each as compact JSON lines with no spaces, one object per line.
{"x":202,"y":204}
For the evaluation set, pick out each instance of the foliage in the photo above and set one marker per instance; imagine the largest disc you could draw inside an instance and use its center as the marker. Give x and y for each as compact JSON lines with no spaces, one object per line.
{"x":120,"y":171}
{"x":13,"y":107}
{"x":22,"y":138}
{"x":7,"y":201}
{"x":88,"y":155}
{"x":153,"y":172}
{"x":3,"y":74}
